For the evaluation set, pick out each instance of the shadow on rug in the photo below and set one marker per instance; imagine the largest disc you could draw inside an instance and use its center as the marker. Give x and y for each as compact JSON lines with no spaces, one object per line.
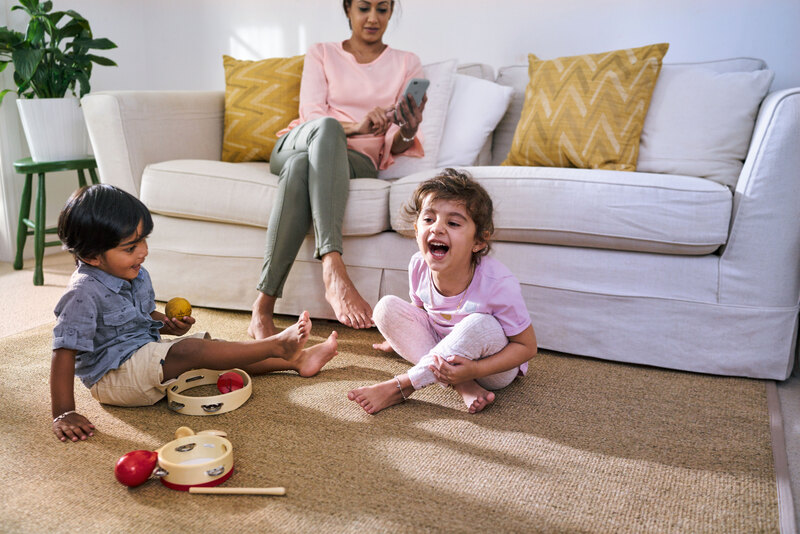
{"x":577,"y":445}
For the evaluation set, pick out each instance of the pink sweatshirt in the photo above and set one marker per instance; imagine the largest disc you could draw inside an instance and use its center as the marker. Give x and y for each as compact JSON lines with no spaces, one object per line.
{"x":335,"y":85}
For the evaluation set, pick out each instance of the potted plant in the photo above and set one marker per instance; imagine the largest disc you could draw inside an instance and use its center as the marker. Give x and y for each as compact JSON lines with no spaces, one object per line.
{"x":52,"y":60}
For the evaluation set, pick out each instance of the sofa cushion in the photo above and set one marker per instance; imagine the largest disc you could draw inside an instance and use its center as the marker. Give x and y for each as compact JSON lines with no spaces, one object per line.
{"x":701,"y":119}
{"x":476,"y":106}
{"x":442,"y":77}
{"x":586,"y":111}
{"x":261,"y":98}
{"x":595,"y":208}
{"x":243,"y":193}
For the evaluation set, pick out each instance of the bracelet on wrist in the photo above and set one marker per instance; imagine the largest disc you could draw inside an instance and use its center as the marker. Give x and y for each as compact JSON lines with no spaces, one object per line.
{"x":407,"y":139}
{"x":62,"y":416}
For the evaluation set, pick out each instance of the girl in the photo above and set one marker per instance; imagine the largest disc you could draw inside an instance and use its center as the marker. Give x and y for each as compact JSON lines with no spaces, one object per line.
{"x":467,"y":325}
{"x":352,"y":123}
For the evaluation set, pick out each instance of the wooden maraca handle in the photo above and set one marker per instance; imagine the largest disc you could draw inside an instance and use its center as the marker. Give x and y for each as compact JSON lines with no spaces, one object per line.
{"x":214,"y":490}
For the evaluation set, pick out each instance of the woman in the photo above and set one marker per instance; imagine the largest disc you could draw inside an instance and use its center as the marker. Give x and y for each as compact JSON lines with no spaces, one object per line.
{"x":347,"y":128}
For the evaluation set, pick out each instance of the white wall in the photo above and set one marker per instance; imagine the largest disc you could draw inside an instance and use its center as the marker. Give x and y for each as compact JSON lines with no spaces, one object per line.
{"x":178,"y":44}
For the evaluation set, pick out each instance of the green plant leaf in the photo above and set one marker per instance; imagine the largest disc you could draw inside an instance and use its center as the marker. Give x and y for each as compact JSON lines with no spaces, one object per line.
{"x":30,"y":4}
{"x":26,"y":61}
{"x":100,"y":60}
{"x":3,"y":93}
{"x":35,"y":33}
{"x":97,"y":44}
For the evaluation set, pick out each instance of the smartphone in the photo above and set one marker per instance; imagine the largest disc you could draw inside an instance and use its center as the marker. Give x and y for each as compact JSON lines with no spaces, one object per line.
{"x":416,"y":88}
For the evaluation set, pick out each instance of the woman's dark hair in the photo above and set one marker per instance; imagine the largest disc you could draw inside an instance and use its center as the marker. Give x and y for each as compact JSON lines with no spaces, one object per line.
{"x":98,"y":217}
{"x":458,"y":186}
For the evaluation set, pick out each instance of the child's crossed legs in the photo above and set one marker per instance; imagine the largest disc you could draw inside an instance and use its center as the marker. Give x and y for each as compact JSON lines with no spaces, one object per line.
{"x":408,"y":331}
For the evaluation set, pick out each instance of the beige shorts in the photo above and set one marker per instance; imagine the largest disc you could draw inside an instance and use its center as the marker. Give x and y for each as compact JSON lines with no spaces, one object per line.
{"x":139,"y":381}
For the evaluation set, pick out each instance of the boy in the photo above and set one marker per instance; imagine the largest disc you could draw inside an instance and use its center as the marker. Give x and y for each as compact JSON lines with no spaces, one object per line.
{"x":108,"y":332}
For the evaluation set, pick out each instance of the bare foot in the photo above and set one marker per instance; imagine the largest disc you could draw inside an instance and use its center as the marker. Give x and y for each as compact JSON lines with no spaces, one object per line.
{"x":261,"y":325}
{"x":379,"y":396}
{"x":349,"y":306}
{"x":311,"y":360}
{"x":475,"y":397}
{"x":385,"y":346}
{"x":289,"y":343}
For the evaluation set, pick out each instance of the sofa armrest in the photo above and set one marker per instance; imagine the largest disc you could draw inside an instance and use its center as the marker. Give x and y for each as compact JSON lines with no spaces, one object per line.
{"x":131,"y":129}
{"x":761,"y":261}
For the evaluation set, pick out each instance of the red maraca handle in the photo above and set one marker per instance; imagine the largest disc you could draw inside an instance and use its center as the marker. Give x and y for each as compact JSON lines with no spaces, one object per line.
{"x":134,"y":468}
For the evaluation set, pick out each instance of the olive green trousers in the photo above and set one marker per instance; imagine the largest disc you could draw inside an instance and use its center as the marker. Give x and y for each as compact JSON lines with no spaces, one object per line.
{"x":314,"y":168}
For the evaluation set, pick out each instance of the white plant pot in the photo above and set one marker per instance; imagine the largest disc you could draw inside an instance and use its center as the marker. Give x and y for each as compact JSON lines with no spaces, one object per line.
{"x":54,"y":128}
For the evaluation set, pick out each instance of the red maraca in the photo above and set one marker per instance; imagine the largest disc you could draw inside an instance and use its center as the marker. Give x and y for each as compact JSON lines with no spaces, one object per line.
{"x":135,"y":467}
{"x":230,"y":381}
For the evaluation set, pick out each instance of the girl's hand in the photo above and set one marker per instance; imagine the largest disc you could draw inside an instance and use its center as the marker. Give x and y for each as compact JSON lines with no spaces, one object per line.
{"x":455,"y":371}
{"x":177,"y":327}
{"x":73,"y":427}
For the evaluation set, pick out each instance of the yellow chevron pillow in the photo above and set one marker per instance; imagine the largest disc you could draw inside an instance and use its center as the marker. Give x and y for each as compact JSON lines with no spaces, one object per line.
{"x":261,"y":98}
{"x":586,"y":111}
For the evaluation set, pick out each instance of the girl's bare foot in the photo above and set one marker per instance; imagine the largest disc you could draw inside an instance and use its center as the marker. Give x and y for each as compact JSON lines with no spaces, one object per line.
{"x":379,"y":396}
{"x":261,"y":325}
{"x":475,"y":397}
{"x":289,"y":343}
{"x":349,"y":306}
{"x":310,"y":361}
{"x":385,"y":346}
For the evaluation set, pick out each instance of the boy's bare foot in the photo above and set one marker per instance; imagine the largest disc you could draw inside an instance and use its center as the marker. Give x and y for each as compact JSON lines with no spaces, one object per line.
{"x":310,"y":361}
{"x":261,"y":325}
{"x":349,"y":306}
{"x":289,"y":343}
{"x":377,"y":397}
{"x":475,"y":397}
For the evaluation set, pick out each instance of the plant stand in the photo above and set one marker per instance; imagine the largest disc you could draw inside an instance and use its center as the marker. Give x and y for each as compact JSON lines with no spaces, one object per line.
{"x":36,"y":227}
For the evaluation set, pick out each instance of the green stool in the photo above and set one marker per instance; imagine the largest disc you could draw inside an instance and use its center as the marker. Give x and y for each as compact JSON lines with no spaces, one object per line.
{"x":29,"y":167}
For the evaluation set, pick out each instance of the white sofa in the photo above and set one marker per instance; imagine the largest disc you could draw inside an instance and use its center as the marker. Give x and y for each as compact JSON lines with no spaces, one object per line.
{"x":658,"y":268}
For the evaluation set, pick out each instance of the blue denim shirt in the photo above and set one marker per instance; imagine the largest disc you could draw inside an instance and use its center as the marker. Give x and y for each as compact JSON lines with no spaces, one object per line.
{"x":106,"y":319}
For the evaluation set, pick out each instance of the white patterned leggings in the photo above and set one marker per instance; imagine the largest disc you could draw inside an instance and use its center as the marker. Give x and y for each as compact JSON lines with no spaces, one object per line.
{"x":409,"y":332}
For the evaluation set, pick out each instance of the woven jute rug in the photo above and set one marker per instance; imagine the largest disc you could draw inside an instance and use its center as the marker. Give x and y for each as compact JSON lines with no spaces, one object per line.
{"x":579,"y":445}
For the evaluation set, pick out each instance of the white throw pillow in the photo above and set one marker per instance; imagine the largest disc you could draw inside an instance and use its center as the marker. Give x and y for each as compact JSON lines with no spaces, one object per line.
{"x":476,"y":107}
{"x":700,"y":122}
{"x":442,"y":77}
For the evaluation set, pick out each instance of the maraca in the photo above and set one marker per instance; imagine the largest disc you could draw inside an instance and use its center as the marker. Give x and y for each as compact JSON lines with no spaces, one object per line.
{"x":229,"y":381}
{"x":134,"y":468}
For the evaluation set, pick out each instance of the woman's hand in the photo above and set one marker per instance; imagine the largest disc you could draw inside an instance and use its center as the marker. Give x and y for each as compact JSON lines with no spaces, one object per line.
{"x":409,"y":115}
{"x":455,"y":371}
{"x":73,"y":427}
{"x":375,"y":123}
{"x":177,"y":326}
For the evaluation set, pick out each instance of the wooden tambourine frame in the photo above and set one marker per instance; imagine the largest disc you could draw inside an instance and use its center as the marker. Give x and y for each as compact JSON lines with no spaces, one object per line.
{"x":208,"y":405}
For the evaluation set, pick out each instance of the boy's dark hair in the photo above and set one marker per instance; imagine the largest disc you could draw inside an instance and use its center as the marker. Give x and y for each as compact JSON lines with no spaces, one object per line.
{"x":98,"y":217}
{"x":459,"y":186}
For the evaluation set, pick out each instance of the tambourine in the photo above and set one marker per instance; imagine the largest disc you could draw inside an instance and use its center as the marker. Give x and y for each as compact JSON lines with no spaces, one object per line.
{"x":191,"y":462}
{"x":208,"y":405}
{"x":195,"y":460}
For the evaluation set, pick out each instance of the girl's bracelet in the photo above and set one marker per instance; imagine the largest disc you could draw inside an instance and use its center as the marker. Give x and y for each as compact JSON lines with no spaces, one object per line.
{"x":62,"y":416}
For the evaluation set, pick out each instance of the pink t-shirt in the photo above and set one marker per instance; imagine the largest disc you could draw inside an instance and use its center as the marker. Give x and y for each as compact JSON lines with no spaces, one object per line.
{"x":335,"y":85}
{"x":494,"y":290}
